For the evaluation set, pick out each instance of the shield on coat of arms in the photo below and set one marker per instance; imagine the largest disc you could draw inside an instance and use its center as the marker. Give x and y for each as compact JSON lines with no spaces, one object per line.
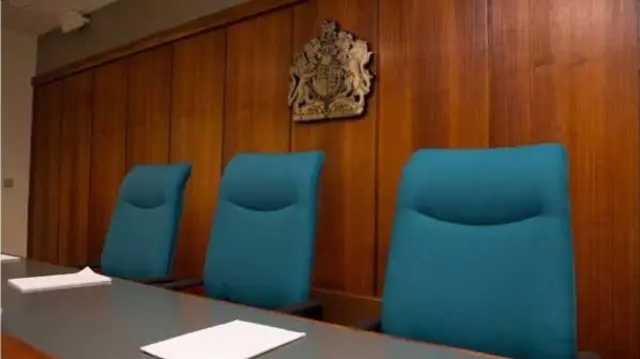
{"x":327,"y":79}
{"x":330,"y":79}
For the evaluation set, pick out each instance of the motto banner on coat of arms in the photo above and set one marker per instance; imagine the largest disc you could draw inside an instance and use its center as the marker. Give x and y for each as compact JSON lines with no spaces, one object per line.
{"x":330,"y":79}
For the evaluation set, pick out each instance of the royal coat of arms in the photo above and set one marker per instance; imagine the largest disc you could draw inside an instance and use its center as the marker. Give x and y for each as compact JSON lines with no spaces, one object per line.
{"x":330,"y":78}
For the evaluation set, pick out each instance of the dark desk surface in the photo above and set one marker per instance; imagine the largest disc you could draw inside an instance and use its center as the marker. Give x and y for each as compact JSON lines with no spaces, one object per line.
{"x":108,"y":322}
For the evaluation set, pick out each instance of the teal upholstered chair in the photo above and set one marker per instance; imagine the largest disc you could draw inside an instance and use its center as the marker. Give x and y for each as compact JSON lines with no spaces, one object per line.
{"x":263,"y":237}
{"x":481,"y":253}
{"x":144,"y":226}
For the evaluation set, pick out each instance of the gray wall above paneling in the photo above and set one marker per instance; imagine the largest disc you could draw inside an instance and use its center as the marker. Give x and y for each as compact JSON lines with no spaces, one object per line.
{"x":118,"y":24}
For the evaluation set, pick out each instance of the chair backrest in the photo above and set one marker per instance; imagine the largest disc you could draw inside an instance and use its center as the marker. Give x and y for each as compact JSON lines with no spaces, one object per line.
{"x":481,"y":252}
{"x":263,"y":237}
{"x":142,"y":234}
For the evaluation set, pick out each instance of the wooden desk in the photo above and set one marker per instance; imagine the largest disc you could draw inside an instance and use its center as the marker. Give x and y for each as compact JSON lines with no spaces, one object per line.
{"x":15,"y":348}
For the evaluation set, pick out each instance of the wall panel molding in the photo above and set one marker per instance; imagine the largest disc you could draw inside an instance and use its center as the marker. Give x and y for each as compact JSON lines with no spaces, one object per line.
{"x":149,"y":106}
{"x":45,"y":172}
{"x":257,"y":83}
{"x":108,"y":151}
{"x":75,"y":169}
{"x":197,"y":115}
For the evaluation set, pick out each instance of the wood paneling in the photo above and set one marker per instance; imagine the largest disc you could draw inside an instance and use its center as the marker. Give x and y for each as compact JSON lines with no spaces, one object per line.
{"x":16,"y":348}
{"x":433,"y":89}
{"x":345,"y":308}
{"x":345,"y":247}
{"x":258,"y":60}
{"x":75,"y":168}
{"x":45,"y":172}
{"x":196,"y":137}
{"x":577,"y":84}
{"x":149,"y":106}
{"x":108,"y":152}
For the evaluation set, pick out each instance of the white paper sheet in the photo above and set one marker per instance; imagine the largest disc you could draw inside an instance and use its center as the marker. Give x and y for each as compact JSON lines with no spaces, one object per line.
{"x":8,"y":258}
{"x":233,"y":340}
{"x":83,"y":278}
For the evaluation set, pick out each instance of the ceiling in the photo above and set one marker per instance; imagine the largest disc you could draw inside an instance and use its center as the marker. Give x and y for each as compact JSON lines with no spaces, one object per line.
{"x":39,"y":16}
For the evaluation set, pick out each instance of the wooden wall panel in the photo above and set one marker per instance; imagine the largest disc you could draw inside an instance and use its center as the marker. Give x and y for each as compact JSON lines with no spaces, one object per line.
{"x":108,"y":152}
{"x":577,"y":83}
{"x":433,"y":89}
{"x":345,"y":308}
{"x":345,"y":247}
{"x":258,"y":58}
{"x":75,"y":168}
{"x":45,"y":173}
{"x":13,"y":347}
{"x":149,"y":106}
{"x":196,"y":137}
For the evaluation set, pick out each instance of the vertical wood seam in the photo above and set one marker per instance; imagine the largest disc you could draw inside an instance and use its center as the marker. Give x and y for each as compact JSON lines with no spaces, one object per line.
{"x":223,"y":125}
{"x":376,"y":162}
{"x":490,"y":54}
{"x":59,"y":165}
{"x":32,"y":158}
{"x":170,"y":107}
{"x":635,"y":344}
{"x":88,"y":237}
{"x":226,"y":102}
{"x":292,"y":46}
{"x":127,"y":137}
{"x":90,"y":232}
{"x":127,"y":119}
